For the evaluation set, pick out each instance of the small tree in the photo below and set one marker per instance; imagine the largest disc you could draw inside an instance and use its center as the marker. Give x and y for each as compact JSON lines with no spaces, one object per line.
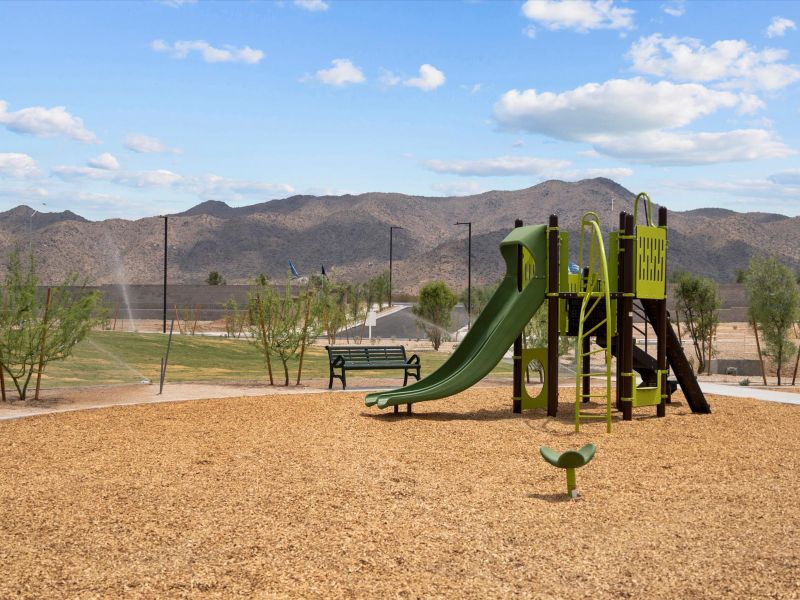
{"x":31,"y":332}
{"x":434,"y":311}
{"x":331,"y":306}
{"x":214,"y":278}
{"x":480,"y":297}
{"x":774,"y":306}
{"x":378,"y":290}
{"x":697,"y":299}
{"x":235,"y":318}
{"x":277,"y":324}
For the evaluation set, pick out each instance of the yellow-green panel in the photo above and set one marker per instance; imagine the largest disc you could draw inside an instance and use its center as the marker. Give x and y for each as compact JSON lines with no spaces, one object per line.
{"x":540,"y":401}
{"x":650,"y":262}
{"x":528,"y":266}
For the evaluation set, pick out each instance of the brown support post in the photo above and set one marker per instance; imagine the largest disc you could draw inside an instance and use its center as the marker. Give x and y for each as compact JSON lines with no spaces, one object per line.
{"x":625,"y":316}
{"x":618,"y":333}
{"x":760,"y":358}
{"x":553,"y":248}
{"x":661,"y":332}
{"x":2,"y":383}
{"x":517,"y":407}
{"x":796,"y":361}
{"x":44,"y":339}
{"x":586,"y":345}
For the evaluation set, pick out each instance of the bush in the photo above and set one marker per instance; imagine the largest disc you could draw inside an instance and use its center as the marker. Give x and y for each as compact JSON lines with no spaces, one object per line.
{"x":434,"y":311}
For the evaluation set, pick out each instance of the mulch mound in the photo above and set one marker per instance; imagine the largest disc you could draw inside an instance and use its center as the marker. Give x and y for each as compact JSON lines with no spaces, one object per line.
{"x":316,"y":496}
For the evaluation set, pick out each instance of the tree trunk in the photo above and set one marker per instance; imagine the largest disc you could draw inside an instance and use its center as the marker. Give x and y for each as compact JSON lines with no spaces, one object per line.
{"x":760,"y":358}
{"x":285,"y":362}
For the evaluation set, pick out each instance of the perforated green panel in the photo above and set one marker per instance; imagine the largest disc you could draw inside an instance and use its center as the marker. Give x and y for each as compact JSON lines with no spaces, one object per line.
{"x":651,"y":262}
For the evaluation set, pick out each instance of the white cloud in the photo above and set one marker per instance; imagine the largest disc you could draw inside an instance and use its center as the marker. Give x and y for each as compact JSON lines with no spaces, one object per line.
{"x":312,"y":5}
{"x":45,"y":122}
{"x":677,"y":8}
{"x":691,"y":148}
{"x":429,"y":78}
{"x":529,"y":32}
{"x":779,"y":25}
{"x":616,"y":107}
{"x":518,"y":144}
{"x":779,"y":193}
{"x":579,"y":15}
{"x":459,"y":188}
{"x":472,"y":89}
{"x":388,"y":78}
{"x":341,"y":73}
{"x":105,"y":161}
{"x":788,"y":177}
{"x":144,"y":144}
{"x":615,"y":173}
{"x":177,"y":3}
{"x":15,"y":165}
{"x":500,"y":166}
{"x":209,"y":53}
{"x":203,"y":186}
{"x":729,"y":63}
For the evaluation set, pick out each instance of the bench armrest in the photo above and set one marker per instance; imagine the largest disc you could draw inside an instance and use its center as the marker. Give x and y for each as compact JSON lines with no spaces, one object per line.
{"x":414,"y":360}
{"x":338,"y":361}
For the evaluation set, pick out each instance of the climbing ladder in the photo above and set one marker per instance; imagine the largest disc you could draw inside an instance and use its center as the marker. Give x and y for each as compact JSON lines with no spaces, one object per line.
{"x":593,"y":320}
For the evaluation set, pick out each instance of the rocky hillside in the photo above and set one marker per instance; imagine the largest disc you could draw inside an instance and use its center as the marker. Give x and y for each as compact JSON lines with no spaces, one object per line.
{"x":350,"y":236}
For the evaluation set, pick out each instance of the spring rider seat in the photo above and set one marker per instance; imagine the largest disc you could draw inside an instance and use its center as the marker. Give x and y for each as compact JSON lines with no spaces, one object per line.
{"x":569,"y":460}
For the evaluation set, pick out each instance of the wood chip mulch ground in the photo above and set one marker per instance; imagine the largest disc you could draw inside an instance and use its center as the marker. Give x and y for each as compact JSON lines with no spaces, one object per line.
{"x":315,"y":496}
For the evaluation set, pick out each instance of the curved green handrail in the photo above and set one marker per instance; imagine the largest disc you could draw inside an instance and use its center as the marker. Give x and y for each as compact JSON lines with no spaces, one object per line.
{"x":597,"y":288}
{"x":648,"y":208}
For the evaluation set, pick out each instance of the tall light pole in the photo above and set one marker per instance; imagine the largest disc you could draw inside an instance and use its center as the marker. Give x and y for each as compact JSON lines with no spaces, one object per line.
{"x":469,"y":272}
{"x":391,"y":236}
{"x":166,"y":229}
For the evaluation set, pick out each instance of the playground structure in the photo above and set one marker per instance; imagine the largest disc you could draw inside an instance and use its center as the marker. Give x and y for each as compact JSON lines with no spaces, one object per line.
{"x":596,"y":304}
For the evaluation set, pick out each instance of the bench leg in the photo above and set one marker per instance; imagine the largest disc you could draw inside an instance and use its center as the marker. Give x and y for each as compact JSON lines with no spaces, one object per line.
{"x":330,"y":382}
{"x":396,"y":409}
{"x":408,"y":408}
{"x":344,"y":379}
{"x":405,"y":379}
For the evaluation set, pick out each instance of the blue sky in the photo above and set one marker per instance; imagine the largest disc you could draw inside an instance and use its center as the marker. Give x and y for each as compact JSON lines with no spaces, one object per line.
{"x":129,"y":109}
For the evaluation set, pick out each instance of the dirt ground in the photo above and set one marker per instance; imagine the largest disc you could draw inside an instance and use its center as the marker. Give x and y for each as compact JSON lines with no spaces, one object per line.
{"x":316,"y":496}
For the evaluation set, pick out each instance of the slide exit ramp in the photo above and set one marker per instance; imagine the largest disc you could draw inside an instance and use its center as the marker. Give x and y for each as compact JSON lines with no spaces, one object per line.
{"x":494,"y":331}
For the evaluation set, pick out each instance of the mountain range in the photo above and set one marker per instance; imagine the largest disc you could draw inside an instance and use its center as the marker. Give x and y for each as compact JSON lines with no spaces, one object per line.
{"x":349,"y":235}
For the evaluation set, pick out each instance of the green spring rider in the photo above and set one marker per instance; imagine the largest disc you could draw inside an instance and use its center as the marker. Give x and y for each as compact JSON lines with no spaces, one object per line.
{"x":569,"y":460}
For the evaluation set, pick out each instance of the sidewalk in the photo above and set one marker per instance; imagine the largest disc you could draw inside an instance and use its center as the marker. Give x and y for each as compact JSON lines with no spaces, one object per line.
{"x":746,"y":391}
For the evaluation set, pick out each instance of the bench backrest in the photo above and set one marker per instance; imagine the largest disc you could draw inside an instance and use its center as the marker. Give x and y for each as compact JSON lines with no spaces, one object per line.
{"x":367,"y":354}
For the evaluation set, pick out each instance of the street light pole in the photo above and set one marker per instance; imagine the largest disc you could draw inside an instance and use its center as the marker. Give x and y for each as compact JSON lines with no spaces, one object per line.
{"x":469,"y":271}
{"x":391,"y":235}
{"x":166,"y":229}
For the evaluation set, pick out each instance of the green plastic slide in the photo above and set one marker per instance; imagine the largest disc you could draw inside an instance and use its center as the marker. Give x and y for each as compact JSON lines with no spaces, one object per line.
{"x":495,"y":330}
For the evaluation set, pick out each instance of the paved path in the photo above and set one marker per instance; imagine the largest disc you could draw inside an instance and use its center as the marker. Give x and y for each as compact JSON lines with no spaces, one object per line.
{"x":746,"y":391}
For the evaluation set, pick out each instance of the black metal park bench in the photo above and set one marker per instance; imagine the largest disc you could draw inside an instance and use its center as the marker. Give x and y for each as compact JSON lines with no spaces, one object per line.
{"x":370,"y":358}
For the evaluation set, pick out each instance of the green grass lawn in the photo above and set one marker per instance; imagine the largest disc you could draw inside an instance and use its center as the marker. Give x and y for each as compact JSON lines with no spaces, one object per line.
{"x":116,"y":357}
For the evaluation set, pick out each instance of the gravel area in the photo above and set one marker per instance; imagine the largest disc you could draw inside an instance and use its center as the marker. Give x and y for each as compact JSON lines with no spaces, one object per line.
{"x":315,"y":496}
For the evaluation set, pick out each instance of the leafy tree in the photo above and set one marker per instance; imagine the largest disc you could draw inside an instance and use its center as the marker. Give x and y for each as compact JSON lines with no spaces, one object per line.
{"x":214,"y":278}
{"x":378,"y":290}
{"x":480,"y":297}
{"x":27,"y":335}
{"x":697,"y":300}
{"x":774,"y":306}
{"x":280,"y":324}
{"x":331,"y":306}
{"x":235,"y":318}
{"x":434,"y":311}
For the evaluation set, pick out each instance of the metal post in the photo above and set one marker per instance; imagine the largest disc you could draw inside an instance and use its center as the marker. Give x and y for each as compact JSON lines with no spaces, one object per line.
{"x":553,"y":258}
{"x":625,"y":316}
{"x":586,"y":346}
{"x":164,"y":323}
{"x":391,"y":235}
{"x":469,"y":271}
{"x":661,"y":332}
{"x":165,"y":359}
{"x":44,"y":339}
{"x":618,"y":334}
{"x":517,"y":405}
